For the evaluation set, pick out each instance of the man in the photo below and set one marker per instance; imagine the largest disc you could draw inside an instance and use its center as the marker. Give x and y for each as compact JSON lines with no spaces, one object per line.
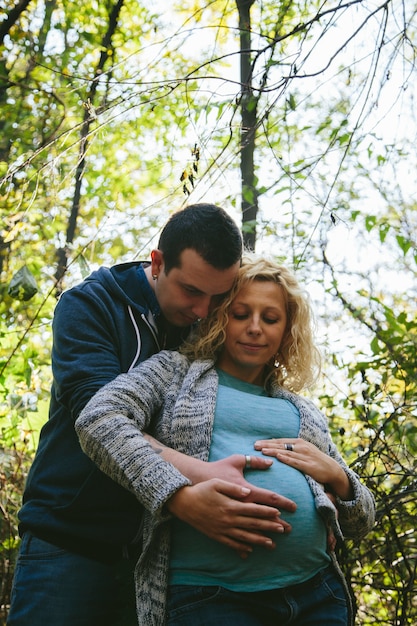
{"x":81,"y":532}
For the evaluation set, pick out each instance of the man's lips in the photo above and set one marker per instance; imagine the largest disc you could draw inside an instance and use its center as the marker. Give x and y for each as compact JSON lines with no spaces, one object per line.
{"x":190,"y":319}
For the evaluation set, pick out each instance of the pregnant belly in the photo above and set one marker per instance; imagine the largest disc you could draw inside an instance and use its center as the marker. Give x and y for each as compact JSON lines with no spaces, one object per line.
{"x":307,"y":528}
{"x":298,"y":555}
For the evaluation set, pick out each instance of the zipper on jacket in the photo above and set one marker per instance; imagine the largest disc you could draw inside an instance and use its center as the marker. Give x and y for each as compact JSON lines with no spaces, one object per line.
{"x":151,"y":328}
{"x":138,"y":337}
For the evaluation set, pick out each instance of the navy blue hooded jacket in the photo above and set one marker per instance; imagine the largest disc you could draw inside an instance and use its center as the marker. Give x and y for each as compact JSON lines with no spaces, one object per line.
{"x":102,"y":327}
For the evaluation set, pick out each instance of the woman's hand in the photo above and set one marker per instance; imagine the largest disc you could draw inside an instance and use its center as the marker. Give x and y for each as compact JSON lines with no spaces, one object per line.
{"x":307,"y":458}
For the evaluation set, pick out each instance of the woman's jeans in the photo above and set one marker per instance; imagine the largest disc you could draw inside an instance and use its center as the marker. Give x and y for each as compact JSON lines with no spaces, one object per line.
{"x":54,"y":587}
{"x":320,"y":601}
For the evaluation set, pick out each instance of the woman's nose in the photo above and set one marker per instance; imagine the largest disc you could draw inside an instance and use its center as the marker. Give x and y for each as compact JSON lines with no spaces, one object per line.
{"x":254,"y":327}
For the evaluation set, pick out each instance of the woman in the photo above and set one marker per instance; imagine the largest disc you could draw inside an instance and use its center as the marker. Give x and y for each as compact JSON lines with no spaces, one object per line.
{"x":231,"y":389}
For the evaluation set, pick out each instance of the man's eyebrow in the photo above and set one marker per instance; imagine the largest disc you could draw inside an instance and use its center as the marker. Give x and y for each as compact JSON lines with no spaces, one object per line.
{"x":192,"y":287}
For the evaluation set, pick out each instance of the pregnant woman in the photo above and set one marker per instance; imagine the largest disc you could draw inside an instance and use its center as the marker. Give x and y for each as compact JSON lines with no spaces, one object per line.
{"x":235,"y":388}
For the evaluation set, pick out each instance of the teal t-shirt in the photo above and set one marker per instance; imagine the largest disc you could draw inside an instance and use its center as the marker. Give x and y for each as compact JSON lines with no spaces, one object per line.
{"x":244,"y":413}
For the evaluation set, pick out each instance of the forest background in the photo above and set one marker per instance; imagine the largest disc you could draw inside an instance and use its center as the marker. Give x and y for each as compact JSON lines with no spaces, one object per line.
{"x":299,"y":119}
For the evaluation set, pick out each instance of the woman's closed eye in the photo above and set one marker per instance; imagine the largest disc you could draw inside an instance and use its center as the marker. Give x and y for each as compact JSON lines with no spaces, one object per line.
{"x":270,"y":320}
{"x":240,"y":316}
{"x":245,"y":316}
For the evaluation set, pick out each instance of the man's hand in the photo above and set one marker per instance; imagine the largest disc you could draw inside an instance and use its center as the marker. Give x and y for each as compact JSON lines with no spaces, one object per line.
{"x":225,"y":512}
{"x":231,"y":470}
{"x":222,"y":504}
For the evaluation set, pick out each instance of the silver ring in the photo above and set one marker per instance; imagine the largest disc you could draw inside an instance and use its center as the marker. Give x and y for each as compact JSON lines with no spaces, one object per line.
{"x":289,"y":446}
{"x":247,"y":461}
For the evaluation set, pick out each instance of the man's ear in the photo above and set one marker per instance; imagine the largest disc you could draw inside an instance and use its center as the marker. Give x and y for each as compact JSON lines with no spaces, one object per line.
{"x":157,"y":262}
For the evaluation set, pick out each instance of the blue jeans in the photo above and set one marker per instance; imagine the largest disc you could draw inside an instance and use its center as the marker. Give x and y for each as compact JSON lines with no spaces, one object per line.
{"x":54,"y":586}
{"x":320,"y":601}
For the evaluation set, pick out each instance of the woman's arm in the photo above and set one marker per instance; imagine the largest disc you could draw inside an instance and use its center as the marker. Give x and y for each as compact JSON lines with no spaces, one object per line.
{"x":111,"y":425}
{"x":354,"y":501}
{"x":111,"y":431}
{"x":307,"y":458}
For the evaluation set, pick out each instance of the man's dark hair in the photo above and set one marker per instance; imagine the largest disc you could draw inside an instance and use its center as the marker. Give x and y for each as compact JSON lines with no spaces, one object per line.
{"x":205,"y":228}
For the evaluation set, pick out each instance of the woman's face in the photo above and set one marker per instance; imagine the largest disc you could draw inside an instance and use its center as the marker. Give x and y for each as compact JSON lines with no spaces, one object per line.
{"x":256,"y":326}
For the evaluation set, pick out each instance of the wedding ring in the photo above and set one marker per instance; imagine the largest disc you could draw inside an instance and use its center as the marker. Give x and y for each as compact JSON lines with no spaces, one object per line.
{"x":247,"y":461}
{"x":289,"y":446}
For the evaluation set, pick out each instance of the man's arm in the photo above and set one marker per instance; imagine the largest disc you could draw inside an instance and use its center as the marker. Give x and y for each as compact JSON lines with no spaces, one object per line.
{"x":84,"y":355}
{"x":221,"y":503}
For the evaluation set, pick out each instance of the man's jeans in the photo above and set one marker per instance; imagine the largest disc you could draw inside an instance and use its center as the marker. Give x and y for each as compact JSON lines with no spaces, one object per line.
{"x":318,"y":602}
{"x":55,"y":587}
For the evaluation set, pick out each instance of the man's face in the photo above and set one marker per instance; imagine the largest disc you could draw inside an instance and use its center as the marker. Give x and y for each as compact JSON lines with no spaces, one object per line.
{"x":188,"y":292}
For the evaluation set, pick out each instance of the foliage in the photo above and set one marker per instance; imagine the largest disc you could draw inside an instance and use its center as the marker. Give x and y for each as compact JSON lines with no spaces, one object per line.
{"x":113,"y":114}
{"x":378,"y":434}
{"x":14,"y":468}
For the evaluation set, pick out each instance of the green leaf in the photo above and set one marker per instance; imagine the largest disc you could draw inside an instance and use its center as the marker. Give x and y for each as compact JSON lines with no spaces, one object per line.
{"x":383,"y":231}
{"x":404,"y":243}
{"x":370,"y":222}
{"x":23,"y":285}
{"x":375,"y":346}
{"x":248,"y":195}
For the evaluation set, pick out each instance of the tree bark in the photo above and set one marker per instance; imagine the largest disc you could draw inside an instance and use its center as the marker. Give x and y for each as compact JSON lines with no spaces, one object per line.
{"x":89,"y":117}
{"x":248,"y":106}
{"x":12,"y":17}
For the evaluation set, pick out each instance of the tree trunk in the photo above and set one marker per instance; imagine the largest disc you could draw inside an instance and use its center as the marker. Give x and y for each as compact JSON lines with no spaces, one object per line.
{"x":248,"y":106}
{"x":89,"y":117}
{"x":12,"y":17}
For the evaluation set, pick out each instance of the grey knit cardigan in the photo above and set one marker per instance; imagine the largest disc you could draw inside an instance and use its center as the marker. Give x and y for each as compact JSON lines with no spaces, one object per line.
{"x":175,"y":401}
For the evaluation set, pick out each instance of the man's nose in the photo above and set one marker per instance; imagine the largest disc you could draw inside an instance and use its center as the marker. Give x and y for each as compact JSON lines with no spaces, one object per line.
{"x":202,"y":307}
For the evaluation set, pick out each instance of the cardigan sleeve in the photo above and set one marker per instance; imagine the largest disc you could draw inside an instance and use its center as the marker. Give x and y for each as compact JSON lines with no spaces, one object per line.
{"x":356,"y":517}
{"x":111,"y":426}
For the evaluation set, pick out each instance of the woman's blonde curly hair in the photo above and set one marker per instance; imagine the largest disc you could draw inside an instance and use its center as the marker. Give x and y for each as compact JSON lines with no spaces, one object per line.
{"x":298,"y":362}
